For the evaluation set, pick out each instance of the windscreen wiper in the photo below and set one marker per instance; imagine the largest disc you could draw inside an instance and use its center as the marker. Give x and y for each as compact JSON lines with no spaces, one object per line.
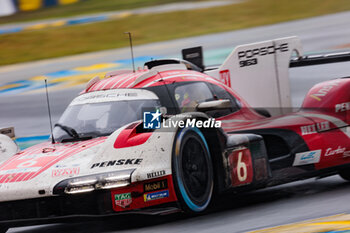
{"x":69,"y":130}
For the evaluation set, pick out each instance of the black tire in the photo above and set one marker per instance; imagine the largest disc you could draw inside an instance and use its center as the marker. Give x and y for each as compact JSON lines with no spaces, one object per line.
{"x":3,"y":229}
{"x":345,"y":174}
{"x":192,"y":171}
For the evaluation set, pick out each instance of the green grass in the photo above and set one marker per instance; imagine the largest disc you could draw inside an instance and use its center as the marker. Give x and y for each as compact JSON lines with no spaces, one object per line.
{"x":56,"y":42}
{"x":82,"y":7}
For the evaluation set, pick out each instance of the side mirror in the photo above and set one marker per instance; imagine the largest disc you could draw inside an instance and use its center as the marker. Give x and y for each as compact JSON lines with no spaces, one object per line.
{"x":214,"y":105}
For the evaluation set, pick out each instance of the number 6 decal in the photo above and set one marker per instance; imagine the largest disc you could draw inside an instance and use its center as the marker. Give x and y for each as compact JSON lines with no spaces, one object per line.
{"x":241,"y":167}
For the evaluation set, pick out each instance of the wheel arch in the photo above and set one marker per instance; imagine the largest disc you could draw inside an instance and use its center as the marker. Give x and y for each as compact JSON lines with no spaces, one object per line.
{"x":216,"y":140}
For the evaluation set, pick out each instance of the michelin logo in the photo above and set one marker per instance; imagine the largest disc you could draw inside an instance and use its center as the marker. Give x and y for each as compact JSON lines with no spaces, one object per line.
{"x":308,"y":157}
{"x":156,"y":195}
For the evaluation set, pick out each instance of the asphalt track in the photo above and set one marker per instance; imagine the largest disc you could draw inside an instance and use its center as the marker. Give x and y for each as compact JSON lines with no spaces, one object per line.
{"x":240,"y":213}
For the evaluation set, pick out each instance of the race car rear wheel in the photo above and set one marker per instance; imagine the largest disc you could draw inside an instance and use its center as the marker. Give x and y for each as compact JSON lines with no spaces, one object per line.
{"x":192,"y":170}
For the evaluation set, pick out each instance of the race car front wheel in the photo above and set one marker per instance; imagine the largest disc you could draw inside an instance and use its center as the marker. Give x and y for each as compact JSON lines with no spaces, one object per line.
{"x":192,"y":170}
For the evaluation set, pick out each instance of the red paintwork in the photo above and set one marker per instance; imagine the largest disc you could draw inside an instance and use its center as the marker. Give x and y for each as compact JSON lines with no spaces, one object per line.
{"x":137,"y":193}
{"x":128,"y":137}
{"x":324,"y":97}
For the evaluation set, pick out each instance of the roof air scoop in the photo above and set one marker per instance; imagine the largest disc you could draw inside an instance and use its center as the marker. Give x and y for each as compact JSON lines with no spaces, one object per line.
{"x":172,"y":61}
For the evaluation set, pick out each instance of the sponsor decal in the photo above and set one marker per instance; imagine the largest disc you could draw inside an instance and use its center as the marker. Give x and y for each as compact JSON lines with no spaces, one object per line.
{"x":250,"y":57}
{"x":117,"y":163}
{"x":155,"y":174}
{"x":113,"y":95}
{"x":308,"y":157}
{"x":65,"y":171}
{"x":262,"y":51}
{"x":105,"y":96}
{"x":155,"y":196}
{"x":151,"y":120}
{"x":331,"y":151}
{"x":342,"y":107}
{"x":123,"y":200}
{"x":249,"y":62}
{"x":318,"y":127}
{"x":155,"y":186}
{"x":225,"y":77}
{"x":324,"y":91}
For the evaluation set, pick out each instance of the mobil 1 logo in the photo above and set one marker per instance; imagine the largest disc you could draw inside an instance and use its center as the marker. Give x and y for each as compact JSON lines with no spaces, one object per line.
{"x":250,"y":57}
{"x":155,"y":185}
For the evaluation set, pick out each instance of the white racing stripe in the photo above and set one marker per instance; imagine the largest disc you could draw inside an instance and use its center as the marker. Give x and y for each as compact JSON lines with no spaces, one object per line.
{"x":107,"y":83}
{"x":128,"y":79}
{"x":121,"y":78}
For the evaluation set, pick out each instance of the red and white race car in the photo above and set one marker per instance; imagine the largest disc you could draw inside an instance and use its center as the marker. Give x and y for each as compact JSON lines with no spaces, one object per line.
{"x":173,"y":136}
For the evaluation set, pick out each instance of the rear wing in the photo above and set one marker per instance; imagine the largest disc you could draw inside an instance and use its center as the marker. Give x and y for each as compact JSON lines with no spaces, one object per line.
{"x":259,"y":72}
{"x":320,"y":59}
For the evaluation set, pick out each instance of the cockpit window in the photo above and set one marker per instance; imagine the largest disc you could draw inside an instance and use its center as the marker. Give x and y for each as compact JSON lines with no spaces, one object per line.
{"x":101,"y":113}
{"x":189,"y":95}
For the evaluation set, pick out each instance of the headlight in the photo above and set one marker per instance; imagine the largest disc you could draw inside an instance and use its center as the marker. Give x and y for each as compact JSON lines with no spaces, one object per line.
{"x":90,"y":183}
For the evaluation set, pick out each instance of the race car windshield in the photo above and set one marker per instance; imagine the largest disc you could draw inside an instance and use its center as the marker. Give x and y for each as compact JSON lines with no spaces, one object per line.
{"x":88,"y":119}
